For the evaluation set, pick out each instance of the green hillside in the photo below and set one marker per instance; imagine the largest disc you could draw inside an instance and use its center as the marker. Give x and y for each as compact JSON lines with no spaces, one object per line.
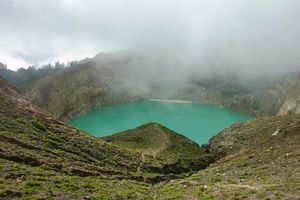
{"x":42,"y":157}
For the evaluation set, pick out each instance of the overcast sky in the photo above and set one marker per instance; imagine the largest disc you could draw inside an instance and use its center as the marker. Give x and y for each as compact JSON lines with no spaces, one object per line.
{"x":245,"y":33}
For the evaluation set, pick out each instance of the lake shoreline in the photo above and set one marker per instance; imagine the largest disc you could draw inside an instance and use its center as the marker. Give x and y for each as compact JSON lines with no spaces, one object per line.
{"x":198,"y":122}
{"x":170,"y":100}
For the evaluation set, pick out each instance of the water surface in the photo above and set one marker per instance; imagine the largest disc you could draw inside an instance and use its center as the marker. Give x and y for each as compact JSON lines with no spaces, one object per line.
{"x":198,"y":122}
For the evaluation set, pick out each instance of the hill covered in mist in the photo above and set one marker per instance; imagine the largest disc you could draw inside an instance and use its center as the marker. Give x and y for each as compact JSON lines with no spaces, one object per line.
{"x":114,"y":78}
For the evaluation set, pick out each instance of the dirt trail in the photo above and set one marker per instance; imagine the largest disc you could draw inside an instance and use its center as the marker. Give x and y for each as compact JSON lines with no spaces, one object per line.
{"x":154,"y":152}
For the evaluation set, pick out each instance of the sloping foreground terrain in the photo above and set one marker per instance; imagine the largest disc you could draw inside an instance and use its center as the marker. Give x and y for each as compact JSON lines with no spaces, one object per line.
{"x":260,"y":159}
{"x":44,"y":158}
{"x":34,"y":146}
{"x":160,"y":147}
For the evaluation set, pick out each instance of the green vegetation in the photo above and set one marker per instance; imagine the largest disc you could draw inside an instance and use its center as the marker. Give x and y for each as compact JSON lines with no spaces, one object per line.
{"x":162,"y":148}
{"x":44,"y":158}
{"x":25,"y":77}
{"x":66,"y":186}
{"x":38,"y":125}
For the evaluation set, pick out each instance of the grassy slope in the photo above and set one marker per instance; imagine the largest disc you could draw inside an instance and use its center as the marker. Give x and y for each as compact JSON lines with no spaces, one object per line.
{"x":31,"y":136}
{"x":43,"y":158}
{"x":259,"y":164}
{"x":40,"y":154}
{"x":162,"y":149}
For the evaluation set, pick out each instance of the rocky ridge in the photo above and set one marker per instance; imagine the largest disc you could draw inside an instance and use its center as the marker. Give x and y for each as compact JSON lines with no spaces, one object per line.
{"x":43,"y":157}
{"x":107,"y":80}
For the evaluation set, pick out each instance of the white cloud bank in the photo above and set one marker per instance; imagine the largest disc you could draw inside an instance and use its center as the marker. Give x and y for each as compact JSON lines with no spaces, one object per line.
{"x":246,"y":35}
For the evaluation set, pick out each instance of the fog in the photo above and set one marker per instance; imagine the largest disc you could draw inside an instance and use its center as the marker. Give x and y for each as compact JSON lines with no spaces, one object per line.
{"x":249,"y":38}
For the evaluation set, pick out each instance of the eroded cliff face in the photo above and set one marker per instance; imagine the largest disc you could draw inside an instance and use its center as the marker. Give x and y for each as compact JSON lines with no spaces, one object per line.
{"x":71,"y":91}
{"x":107,"y":80}
{"x":281,"y":98}
{"x":285,"y":97}
{"x":76,"y":90}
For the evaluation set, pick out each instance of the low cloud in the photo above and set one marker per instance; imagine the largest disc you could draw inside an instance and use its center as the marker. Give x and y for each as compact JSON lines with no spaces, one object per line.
{"x":250,"y":37}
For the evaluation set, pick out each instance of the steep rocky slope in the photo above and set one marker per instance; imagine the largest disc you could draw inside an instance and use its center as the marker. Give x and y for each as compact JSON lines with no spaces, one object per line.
{"x":71,"y":91}
{"x":33,"y":137}
{"x":44,"y":158}
{"x":283,"y":98}
{"x":109,"y":79}
{"x":75,"y":90}
{"x":264,"y":99}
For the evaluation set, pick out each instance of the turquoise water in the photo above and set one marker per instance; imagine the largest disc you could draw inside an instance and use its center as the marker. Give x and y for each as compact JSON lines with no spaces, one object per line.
{"x":198,"y":122}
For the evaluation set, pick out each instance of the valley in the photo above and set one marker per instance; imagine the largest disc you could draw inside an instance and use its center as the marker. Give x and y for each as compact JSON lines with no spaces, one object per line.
{"x":43,"y":157}
{"x":149,"y":100}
